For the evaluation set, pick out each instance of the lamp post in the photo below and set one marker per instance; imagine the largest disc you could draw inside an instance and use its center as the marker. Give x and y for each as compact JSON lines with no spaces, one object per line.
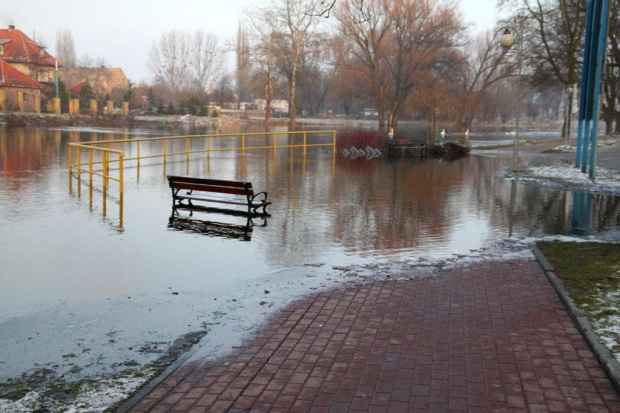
{"x":569,"y":115}
{"x":507,"y":40}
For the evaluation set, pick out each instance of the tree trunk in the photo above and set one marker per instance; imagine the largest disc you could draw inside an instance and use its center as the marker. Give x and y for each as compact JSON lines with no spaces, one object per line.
{"x":609,"y":126}
{"x":381,"y":118}
{"x":431,"y":140}
{"x":292,"y":108}
{"x":268,"y":99}
{"x":292,"y":103}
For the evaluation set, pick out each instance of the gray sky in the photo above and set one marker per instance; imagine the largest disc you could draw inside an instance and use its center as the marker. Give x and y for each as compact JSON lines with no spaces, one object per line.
{"x":122,"y":31}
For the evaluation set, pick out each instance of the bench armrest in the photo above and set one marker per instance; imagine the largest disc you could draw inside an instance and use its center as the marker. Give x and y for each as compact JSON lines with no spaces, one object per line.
{"x":264,"y":194}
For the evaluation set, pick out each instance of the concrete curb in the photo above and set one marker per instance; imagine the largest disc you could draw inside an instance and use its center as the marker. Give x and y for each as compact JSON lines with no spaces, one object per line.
{"x":154,"y":382}
{"x":601,"y":352}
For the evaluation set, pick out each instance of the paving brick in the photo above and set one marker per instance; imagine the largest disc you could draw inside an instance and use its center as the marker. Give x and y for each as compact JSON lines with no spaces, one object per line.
{"x":484,"y":337}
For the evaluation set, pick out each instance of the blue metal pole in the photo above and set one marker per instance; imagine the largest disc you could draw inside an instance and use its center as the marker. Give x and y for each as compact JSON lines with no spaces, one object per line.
{"x":600,"y":66}
{"x":590,"y":74}
{"x":584,"y":82}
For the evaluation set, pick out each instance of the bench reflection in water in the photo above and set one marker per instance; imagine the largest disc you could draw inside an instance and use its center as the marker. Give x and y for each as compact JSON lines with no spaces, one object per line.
{"x":239,"y":231}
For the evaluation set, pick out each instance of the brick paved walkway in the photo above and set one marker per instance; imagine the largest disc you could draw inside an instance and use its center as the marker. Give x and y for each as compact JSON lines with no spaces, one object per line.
{"x":485,"y":337}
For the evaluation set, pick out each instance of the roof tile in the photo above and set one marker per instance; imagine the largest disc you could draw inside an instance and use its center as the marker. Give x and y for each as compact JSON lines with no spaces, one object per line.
{"x":9,"y":76}
{"x":19,"y":48}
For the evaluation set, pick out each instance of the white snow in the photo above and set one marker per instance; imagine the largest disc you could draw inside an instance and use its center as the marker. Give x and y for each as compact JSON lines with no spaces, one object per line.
{"x":93,"y":398}
{"x":568,"y":177}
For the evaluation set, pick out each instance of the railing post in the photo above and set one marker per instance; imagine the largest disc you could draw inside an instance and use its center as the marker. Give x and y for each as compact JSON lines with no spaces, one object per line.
{"x":138,"y":142}
{"x":243,"y":143}
{"x":70,"y":159}
{"x":90,"y":167}
{"x":121,"y":161}
{"x":305,"y":143}
{"x":187,"y":150}
{"x":275,"y":143}
{"x":165,"y":144}
{"x":105,"y":169}
{"x":79,"y":162}
{"x":334,"y":140}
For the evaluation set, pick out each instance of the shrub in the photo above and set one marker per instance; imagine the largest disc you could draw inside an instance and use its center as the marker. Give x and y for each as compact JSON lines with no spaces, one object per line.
{"x":358,"y":139}
{"x":450,"y":150}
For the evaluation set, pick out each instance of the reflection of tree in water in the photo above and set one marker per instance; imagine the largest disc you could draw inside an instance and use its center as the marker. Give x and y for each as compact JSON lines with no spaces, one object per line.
{"x":387,"y":206}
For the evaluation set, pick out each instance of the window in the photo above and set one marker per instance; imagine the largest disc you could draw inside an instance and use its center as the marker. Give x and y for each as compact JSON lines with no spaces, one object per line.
{"x":41,"y":52}
{"x":1,"y":49}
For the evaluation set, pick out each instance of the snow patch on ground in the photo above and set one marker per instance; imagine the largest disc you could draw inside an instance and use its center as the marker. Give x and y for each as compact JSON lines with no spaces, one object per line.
{"x":96,"y":395}
{"x":569,"y":178}
{"x":606,"y":321}
{"x":564,"y":149}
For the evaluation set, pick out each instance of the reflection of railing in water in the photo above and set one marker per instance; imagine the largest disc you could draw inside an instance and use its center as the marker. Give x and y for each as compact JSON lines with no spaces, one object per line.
{"x":100,"y":156}
{"x":104,"y":173}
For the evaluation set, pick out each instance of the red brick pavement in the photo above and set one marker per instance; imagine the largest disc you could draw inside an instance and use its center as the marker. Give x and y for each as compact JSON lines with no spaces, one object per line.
{"x":484,"y":337}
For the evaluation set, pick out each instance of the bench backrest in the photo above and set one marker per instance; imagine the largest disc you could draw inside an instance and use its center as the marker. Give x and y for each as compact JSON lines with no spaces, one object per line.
{"x":211,"y":185}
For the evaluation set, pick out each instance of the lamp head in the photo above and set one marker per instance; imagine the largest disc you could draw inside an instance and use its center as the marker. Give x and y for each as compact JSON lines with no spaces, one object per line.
{"x":507,"y":39}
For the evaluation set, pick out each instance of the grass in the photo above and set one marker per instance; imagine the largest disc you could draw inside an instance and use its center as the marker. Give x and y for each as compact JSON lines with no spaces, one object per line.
{"x":590,"y":272}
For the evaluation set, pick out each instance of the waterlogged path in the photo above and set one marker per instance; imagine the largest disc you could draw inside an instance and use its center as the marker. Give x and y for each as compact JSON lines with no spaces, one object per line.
{"x":483,"y":337}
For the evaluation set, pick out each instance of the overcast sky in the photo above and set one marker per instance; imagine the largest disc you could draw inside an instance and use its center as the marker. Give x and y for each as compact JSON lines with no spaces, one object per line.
{"x":122,"y":31}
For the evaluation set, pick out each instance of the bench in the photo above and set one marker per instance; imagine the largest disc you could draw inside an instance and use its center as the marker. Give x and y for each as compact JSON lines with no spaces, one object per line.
{"x":407,"y":148}
{"x":186,"y":190}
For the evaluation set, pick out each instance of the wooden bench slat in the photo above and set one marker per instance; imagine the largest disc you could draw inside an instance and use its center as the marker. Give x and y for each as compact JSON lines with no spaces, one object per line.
{"x":211,"y":188}
{"x":223,"y":200}
{"x":215,"y":182}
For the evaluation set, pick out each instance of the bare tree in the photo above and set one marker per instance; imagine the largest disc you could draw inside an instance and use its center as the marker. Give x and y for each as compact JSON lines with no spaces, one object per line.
{"x":347,"y":84}
{"x":611,"y":106}
{"x":299,"y":19}
{"x":263,"y":42}
{"x":423,"y":37}
{"x":206,"y":60}
{"x":243,"y":64}
{"x":169,"y":61}
{"x":394,"y":41}
{"x":485,"y":63}
{"x":65,"y":49}
{"x":368,"y":27}
{"x":89,"y":61}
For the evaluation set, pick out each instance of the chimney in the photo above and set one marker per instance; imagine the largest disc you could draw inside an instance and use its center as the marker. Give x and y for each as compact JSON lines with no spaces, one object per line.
{"x":11,"y":27}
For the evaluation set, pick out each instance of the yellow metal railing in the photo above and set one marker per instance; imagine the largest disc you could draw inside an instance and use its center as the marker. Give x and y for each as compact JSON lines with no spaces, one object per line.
{"x":77,"y":165}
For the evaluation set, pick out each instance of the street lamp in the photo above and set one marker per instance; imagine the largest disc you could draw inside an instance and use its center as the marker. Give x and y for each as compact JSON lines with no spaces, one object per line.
{"x":507,"y":40}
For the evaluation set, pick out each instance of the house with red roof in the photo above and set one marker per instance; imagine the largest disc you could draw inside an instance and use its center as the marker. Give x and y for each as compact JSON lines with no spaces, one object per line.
{"x":26,"y":56}
{"x":18,"y":91}
{"x":26,"y":68}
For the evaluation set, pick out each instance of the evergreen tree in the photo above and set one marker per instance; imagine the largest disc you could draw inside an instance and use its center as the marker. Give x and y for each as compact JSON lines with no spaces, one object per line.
{"x":129,"y":93}
{"x":170,"y":109}
{"x":194,"y":104}
{"x":86,"y":94}
{"x":152,"y":100}
{"x":160,"y":107}
{"x":64,"y":96}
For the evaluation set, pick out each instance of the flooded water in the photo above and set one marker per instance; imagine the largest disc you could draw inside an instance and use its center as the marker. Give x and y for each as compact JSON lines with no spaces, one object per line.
{"x":74,"y":263}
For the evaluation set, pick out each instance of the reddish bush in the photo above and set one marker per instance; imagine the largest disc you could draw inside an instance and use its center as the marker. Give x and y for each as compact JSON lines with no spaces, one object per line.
{"x":359,"y":139}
